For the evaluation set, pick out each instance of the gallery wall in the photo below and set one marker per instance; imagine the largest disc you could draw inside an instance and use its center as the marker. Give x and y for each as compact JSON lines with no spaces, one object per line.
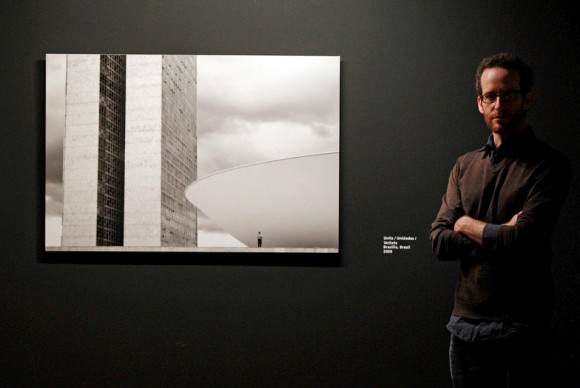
{"x":370,"y":318}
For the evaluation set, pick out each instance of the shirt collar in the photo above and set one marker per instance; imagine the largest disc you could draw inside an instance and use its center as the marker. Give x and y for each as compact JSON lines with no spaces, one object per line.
{"x":490,"y":150}
{"x":495,"y":154}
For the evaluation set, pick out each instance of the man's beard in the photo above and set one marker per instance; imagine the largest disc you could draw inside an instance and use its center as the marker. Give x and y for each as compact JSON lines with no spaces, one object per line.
{"x":512,"y":124}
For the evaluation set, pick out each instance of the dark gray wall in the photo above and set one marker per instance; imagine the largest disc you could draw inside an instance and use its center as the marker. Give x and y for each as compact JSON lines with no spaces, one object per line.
{"x":408,"y":110}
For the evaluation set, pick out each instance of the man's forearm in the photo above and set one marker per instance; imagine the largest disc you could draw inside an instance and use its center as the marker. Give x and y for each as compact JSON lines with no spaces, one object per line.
{"x":470,"y":228}
{"x":475,"y":230}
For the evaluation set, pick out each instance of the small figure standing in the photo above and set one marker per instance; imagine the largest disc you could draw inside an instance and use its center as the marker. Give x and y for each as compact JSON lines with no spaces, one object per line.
{"x":259,"y":239}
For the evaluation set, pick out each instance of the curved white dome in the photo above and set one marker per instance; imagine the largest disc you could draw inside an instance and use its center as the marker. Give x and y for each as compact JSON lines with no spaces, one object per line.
{"x":293,"y":202}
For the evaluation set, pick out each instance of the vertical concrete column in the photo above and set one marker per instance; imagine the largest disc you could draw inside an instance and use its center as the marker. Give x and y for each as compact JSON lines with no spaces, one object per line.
{"x":81,"y":147}
{"x":143,"y":126}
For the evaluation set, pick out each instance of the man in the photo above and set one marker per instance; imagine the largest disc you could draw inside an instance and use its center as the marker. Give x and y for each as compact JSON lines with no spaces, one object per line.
{"x":496,"y":219}
{"x":259,"y":239}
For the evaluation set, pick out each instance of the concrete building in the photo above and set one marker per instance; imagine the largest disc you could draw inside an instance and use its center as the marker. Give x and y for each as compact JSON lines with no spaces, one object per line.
{"x":293,"y":202}
{"x":130,"y":150}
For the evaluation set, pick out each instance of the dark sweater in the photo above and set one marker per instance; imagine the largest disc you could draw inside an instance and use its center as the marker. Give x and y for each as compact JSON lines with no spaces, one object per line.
{"x":509,"y":277}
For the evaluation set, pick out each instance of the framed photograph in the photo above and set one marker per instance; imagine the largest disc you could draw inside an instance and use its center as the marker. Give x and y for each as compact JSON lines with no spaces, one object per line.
{"x":192,"y":153}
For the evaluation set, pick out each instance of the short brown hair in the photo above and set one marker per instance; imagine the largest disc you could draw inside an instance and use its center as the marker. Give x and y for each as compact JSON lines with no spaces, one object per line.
{"x":507,"y":61}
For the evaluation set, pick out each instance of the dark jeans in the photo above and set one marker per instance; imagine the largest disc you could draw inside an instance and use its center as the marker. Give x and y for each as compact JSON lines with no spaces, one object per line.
{"x":520,"y":360}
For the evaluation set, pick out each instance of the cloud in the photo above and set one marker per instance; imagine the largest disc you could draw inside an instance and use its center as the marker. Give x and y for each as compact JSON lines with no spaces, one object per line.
{"x":53,"y":198}
{"x":211,"y":235}
{"x":257,"y":142}
{"x":270,"y":88}
{"x":256,"y":108}
{"x":53,"y":231}
{"x":55,"y":115}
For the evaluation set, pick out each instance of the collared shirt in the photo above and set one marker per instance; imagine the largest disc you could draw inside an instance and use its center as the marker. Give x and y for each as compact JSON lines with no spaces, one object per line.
{"x":474,"y":330}
{"x":491,"y":150}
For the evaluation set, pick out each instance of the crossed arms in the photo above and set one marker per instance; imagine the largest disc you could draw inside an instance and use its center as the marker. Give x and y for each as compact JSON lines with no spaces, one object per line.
{"x":474,"y":229}
{"x":457,"y":233}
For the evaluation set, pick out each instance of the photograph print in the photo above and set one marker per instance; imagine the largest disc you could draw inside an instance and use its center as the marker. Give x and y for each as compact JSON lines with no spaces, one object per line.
{"x":192,"y":153}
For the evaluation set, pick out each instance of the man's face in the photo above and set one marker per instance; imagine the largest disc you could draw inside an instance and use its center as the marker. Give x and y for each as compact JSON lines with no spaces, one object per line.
{"x":501,"y":116}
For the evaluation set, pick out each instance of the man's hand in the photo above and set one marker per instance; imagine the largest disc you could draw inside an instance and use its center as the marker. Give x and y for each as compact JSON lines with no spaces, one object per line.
{"x":514,"y":220}
{"x":470,"y":227}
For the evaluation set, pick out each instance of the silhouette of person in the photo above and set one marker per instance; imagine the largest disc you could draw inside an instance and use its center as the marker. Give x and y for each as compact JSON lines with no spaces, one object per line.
{"x":259,"y":239}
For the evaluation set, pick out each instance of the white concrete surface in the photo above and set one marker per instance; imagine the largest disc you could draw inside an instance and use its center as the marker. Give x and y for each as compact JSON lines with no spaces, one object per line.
{"x":293,"y":202}
{"x":81,"y":143}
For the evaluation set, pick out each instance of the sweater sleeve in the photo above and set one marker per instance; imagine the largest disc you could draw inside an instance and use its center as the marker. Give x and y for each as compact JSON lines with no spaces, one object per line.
{"x":448,"y":244}
{"x":539,"y":214}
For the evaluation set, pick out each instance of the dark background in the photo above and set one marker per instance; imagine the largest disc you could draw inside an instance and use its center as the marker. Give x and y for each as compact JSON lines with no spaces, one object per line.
{"x":407,"y":111}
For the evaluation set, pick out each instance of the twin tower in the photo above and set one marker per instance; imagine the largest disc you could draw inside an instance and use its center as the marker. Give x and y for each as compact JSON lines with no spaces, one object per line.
{"x":130,"y":151}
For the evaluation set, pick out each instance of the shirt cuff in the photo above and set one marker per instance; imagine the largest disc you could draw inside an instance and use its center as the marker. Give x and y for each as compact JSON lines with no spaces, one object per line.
{"x":490,"y":234}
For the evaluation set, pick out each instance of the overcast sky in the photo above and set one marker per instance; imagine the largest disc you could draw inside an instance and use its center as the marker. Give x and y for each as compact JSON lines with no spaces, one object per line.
{"x":249,"y":109}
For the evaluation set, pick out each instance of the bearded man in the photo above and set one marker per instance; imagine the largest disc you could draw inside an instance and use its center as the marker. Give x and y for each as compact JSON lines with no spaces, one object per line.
{"x":496,"y":220}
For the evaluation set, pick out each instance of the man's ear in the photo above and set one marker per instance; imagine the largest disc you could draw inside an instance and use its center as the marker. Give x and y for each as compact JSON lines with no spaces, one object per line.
{"x":479,"y":104}
{"x":528,"y":101}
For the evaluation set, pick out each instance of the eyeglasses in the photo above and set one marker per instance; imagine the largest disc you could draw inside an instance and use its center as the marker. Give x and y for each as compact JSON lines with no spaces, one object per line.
{"x":509,"y":96}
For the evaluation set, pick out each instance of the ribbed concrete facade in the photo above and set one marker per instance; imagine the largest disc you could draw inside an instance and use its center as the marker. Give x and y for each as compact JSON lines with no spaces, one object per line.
{"x":178,"y":150}
{"x":159,"y":152}
{"x":81,"y":151}
{"x":143,"y":151}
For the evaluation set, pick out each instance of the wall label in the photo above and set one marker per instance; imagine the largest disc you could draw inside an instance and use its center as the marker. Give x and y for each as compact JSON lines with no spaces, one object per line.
{"x":393,"y":244}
